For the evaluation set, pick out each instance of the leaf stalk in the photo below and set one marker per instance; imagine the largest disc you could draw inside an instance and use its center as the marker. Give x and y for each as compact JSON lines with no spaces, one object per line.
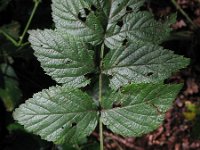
{"x":178,"y":7}
{"x":100,"y":96}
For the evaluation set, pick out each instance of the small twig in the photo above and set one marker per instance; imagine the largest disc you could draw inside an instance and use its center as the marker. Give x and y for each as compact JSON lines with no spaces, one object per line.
{"x":183,"y":13}
{"x":21,"y":38}
{"x":10,"y":38}
{"x":121,"y":140}
{"x":29,"y":21}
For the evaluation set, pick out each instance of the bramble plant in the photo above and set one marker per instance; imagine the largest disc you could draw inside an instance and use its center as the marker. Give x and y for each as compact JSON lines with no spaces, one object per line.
{"x":104,"y":39}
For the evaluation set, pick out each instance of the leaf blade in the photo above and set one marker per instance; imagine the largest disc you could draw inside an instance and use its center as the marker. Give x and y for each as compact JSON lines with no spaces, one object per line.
{"x":138,"y":26}
{"x":77,"y":18}
{"x":58,"y":114}
{"x":118,"y":8}
{"x":140,"y":62}
{"x":142,"y":109}
{"x":62,"y":57}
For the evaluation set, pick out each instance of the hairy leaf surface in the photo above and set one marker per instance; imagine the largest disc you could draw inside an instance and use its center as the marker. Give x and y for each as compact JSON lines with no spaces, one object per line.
{"x":77,"y":18}
{"x":59,"y":114}
{"x":139,"y":109}
{"x":65,"y":58}
{"x":127,"y":23}
{"x":117,"y":9}
{"x":141,"y":63}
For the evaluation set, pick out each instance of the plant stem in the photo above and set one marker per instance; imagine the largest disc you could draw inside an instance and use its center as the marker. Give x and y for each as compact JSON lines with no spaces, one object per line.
{"x":183,"y":13}
{"x":100,"y":97}
{"x":29,"y":21}
{"x":19,"y":43}
{"x":11,"y":39}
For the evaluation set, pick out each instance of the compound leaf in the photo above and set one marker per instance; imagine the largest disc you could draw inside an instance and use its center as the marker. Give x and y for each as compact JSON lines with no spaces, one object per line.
{"x":59,"y":114}
{"x":139,"y":109}
{"x":77,"y":18}
{"x":131,"y":38}
{"x":65,"y":58}
{"x":141,"y":63}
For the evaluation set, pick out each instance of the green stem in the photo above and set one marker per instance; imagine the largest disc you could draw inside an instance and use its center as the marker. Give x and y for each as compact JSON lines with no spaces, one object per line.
{"x":10,"y":38}
{"x":183,"y":13}
{"x":100,"y":97}
{"x":29,"y":21}
{"x":19,"y":43}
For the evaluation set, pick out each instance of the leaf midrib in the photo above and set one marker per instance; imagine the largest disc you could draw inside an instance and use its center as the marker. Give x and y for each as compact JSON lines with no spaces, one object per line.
{"x":63,"y":113}
{"x":135,"y":65}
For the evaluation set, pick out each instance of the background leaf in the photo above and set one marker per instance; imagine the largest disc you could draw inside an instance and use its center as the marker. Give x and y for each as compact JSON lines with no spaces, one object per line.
{"x":63,"y":57}
{"x":141,"y":63}
{"x":139,"y":109}
{"x":58,"y":114}
{"x":9,"y":87}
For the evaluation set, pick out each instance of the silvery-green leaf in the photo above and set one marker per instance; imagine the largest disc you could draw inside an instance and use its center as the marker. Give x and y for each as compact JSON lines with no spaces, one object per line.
{"x":139,"y":109}
{"x":59,"y":114}
{"x":141,"y":63}
{"x":119,"y":8}
{"x":65,"y":58}
{"x":76,"y":17}
{"x":137,"y":26}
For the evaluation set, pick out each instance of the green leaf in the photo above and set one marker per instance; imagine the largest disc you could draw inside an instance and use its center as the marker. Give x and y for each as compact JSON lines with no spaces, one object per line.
{"x":140,"y":108}
{"x":15,"y":127}
{"x":141,"y":63}
{"x":130,"y":38}
{"x":127,"y":23}
{"x":77,"y":18}
{"x":9,"y":90}
{"x":119,"y":8}
{"x":64,"y":57}
{"x":58,"y":114}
